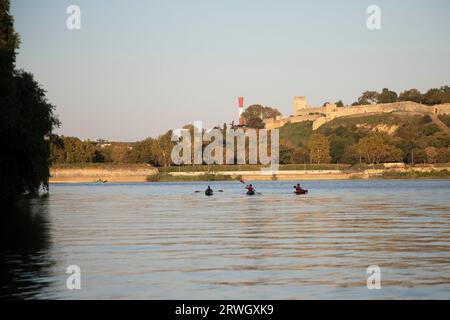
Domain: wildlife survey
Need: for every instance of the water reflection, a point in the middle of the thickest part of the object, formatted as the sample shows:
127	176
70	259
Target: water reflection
24	249
163	241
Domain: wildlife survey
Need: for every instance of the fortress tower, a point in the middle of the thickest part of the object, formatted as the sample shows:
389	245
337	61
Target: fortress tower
299	104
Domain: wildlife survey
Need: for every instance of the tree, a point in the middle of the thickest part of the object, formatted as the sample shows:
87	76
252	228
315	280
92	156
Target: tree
57	152
437	96
413	95
338	144
255	122
285	154
120	153
142	152
373	149
432	97
420	156
387	96
351	154
99	156
9	43
300	155
443	155
368	97
71	150
163	149
444	94
319	149
431	154
257	111
26	121
340	104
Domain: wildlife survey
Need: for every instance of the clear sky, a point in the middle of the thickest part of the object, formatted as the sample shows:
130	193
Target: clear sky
138	68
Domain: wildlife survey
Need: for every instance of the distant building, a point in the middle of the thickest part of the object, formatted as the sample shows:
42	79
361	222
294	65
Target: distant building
299	104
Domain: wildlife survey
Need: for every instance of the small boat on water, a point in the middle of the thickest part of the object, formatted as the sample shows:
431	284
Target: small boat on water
209	193
301	191
251	193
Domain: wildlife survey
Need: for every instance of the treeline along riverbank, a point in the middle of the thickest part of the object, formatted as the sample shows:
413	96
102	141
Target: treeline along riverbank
146	173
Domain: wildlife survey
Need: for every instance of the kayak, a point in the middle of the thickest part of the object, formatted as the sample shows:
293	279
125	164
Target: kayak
208	193
251	193
301	192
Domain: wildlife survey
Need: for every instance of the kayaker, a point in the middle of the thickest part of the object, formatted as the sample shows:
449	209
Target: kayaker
298	188
209	189
250	188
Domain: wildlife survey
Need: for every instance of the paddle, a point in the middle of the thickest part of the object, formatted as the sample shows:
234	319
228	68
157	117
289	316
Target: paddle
242	181
197	191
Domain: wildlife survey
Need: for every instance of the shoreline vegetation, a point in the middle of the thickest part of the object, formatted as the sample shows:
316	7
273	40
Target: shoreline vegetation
433	174
26	120
376	146
90	173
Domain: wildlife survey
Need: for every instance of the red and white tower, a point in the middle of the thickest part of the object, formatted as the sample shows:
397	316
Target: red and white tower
241	111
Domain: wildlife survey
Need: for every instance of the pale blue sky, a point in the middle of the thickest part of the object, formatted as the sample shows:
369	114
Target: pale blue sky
138	68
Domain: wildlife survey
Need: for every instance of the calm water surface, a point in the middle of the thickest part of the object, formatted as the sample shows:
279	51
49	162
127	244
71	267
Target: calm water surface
164	241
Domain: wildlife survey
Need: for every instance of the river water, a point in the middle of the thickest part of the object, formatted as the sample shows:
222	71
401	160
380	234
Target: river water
164	241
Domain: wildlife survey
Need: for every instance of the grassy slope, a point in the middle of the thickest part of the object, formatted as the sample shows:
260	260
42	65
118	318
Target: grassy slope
370	121
444	174
445	119
296	134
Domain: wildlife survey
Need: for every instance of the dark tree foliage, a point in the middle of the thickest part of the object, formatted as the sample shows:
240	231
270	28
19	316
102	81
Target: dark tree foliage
71	150
413	95
432	97
255	122
255	114
340	104
387	96
9	42
368	97
26	119
437	96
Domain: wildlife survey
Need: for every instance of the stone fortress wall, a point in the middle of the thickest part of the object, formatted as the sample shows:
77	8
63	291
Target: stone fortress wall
330	111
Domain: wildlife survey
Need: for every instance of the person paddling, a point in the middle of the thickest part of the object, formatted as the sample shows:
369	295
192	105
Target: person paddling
298	188
249	187
209	191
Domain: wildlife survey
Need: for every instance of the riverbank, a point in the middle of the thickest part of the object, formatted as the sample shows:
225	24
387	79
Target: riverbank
101	172
304	175
145	173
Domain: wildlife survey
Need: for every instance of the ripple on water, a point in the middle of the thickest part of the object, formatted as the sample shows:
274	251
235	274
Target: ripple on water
165	241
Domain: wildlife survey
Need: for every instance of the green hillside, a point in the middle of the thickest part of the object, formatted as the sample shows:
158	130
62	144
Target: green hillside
296	134
403	137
